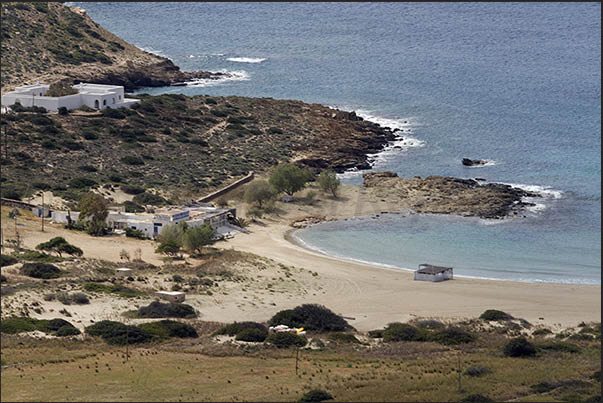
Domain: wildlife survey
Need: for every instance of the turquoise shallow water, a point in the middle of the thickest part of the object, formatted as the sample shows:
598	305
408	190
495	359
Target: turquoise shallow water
514	83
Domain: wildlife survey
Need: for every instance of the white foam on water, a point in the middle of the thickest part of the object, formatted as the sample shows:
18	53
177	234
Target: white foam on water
237	75
545	191
246	59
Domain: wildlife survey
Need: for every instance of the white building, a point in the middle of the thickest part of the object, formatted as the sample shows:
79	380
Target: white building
152	224
96	96
428	272
172	296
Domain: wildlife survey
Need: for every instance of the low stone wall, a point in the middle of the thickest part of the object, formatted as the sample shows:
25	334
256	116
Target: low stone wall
228	188
17	203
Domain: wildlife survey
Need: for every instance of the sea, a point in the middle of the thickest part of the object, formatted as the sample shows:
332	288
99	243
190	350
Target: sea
516	84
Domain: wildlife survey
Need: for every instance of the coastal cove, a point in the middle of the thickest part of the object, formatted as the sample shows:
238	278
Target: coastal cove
456	89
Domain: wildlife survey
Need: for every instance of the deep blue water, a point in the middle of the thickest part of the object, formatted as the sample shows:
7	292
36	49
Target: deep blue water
515	83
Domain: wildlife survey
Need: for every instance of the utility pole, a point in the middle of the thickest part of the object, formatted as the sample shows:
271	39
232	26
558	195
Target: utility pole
43	211
460	372
296	361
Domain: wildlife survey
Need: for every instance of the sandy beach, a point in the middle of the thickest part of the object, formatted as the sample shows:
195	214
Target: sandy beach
373	296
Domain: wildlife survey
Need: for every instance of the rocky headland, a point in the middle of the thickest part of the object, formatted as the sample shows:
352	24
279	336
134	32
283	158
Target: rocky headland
448	195
50	42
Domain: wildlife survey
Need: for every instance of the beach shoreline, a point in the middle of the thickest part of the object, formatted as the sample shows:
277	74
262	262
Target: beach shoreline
377	295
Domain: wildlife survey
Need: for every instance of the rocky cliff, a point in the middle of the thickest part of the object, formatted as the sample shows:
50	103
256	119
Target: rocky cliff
49	42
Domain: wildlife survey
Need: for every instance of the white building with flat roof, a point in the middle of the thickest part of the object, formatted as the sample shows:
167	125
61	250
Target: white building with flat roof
95	96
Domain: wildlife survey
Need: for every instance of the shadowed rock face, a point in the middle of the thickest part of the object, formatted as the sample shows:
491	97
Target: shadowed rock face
472	163
448	195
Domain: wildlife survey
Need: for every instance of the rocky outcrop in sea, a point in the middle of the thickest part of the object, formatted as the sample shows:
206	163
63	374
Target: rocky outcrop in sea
449	195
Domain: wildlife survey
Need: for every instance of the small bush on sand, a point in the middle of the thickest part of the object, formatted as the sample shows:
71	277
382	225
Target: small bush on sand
235	328
6	260
343	338
67	331
21	324
158	309
429	324
40	270
541	332
477	371
118	333
75	298
315	395
452	336
397	331
286	339
311	317
376	334
249	334
493	314
56	324
170	328
519	347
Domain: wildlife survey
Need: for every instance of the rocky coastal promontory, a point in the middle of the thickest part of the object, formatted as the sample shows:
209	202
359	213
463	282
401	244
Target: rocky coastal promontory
449	195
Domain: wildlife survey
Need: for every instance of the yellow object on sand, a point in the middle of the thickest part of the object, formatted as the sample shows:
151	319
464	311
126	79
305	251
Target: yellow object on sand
301	329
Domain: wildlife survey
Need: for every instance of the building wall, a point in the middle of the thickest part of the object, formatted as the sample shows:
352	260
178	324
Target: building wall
447	275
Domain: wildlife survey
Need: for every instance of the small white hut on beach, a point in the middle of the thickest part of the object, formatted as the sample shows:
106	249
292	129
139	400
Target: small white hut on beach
432	273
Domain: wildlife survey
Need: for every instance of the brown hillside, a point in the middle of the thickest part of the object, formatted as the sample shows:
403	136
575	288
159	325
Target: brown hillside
50	41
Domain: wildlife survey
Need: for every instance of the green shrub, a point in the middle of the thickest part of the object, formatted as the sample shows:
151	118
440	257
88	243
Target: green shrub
493	314
56	324
519	347
6	260
67	331
72	145
477	371
311	317
81	182
113	113
286	339
63	111
131	190
132	160
21	325
120	290
397	331
41	185
118	333
135	233
234	328
35	256
559	346
315	395
132	207
158	309
87	168
40	270
345	338
149	198
250	334
452	336
429	324
3	278
597	376
376	334
541	332
169	328
476	398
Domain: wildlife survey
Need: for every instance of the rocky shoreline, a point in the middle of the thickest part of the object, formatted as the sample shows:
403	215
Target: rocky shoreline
132	77
350	151
448	195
